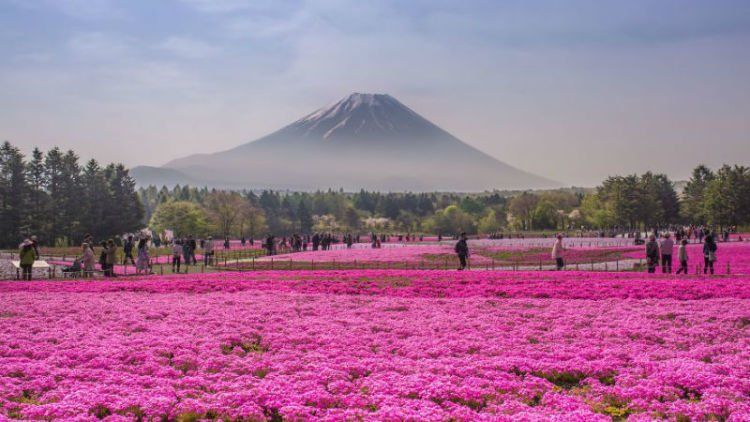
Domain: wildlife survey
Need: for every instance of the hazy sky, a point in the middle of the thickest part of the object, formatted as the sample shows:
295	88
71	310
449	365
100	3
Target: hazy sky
571	90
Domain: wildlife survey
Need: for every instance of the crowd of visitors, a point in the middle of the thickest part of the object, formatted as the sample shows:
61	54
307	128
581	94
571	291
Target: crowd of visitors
659	249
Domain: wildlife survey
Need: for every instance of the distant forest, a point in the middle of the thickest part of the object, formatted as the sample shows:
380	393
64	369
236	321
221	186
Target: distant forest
620	203
55	197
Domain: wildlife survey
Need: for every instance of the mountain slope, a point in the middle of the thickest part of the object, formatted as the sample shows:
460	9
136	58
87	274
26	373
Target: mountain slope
369	141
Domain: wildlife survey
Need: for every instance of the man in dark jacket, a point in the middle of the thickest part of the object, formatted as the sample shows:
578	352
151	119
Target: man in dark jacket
652	254
128	249
462	250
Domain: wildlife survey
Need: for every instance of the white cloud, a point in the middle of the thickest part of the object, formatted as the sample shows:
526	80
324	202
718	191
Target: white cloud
188	48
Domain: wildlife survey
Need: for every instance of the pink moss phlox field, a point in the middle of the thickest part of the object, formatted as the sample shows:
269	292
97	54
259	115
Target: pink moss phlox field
377	345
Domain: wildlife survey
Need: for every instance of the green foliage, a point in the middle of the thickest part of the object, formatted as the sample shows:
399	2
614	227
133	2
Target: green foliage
183	217
53	197
726	199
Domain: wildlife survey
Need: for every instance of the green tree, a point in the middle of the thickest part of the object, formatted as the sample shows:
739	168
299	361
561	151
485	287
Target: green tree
491	222
727	197
522	207
182	217
693	202
13	191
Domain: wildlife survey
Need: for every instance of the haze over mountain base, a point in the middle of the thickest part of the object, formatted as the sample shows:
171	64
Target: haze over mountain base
369	141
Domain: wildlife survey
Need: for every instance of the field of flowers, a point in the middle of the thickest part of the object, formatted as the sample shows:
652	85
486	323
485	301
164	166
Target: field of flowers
378	345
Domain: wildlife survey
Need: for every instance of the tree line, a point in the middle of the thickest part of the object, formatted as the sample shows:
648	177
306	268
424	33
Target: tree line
54	197
51	195
718	198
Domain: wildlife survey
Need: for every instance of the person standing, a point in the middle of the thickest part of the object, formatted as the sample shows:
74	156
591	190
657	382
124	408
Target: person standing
652	254
709	254
208	251
103	258
143	265
682	256
111	257
176	255
193	246
557	250
88	260
667	247
462	250
27	256
186	253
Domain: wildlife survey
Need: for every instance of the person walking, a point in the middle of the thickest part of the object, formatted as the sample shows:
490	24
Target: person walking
709	254
88	260
143	266
176	255
557	250
208	251
652	254
127	248
27	256
667	247
682	256
462	250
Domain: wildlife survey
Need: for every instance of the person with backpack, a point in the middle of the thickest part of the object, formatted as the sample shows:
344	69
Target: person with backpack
652	254
709	254
462	250
27	256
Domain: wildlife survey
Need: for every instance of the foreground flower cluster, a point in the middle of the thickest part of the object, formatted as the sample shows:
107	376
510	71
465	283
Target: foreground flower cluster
378	345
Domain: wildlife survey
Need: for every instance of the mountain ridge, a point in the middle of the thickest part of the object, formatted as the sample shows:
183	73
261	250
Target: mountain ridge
369	141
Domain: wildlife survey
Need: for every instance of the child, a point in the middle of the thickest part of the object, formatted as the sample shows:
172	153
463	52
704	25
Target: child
683	257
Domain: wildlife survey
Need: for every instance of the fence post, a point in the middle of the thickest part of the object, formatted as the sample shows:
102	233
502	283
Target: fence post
161	269
271	263
728	268
540	264
253	263
493	264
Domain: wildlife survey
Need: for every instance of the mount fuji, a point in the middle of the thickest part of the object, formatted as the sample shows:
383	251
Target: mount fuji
369	141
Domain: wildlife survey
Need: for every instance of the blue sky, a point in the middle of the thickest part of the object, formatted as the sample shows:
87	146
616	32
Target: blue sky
572	90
